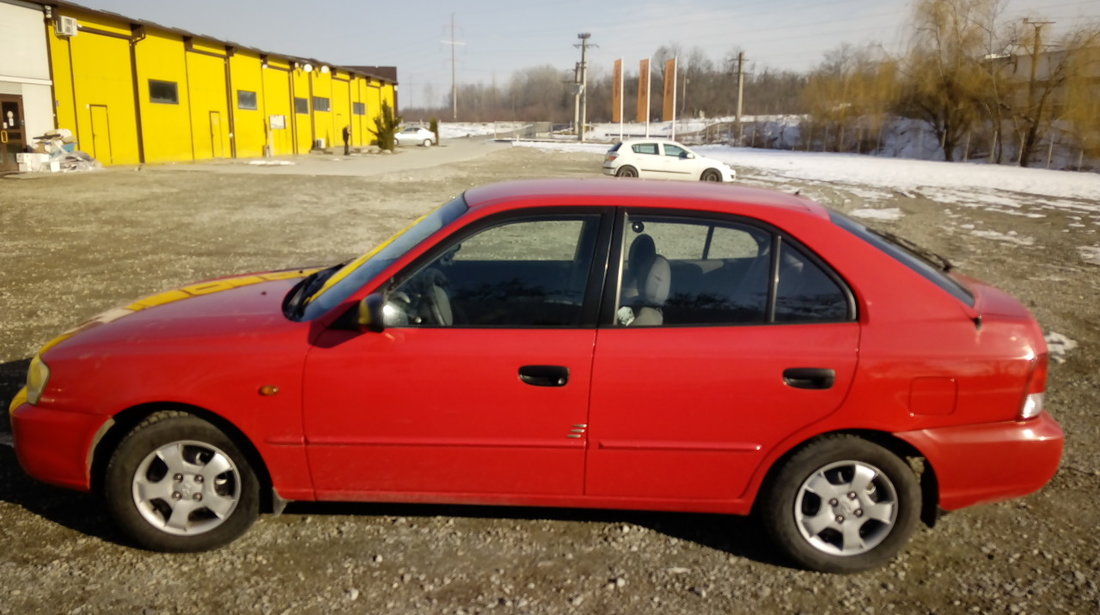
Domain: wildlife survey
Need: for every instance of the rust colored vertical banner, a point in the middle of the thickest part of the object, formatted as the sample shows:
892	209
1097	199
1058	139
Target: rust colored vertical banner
643	91
617	92
668	111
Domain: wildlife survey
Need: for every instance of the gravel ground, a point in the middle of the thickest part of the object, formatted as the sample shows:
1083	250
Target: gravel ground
75	245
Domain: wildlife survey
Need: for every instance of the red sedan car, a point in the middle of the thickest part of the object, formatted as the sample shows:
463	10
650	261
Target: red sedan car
591	343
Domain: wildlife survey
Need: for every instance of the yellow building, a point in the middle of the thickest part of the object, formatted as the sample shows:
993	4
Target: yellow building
137	92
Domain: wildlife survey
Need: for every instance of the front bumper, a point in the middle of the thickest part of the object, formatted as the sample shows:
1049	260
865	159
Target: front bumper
55	446
992	461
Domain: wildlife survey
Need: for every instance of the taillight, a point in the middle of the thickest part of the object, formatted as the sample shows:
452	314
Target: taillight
1036	388
610	156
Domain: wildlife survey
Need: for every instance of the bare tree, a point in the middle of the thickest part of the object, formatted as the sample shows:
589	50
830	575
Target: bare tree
850	95
1040	98
1083	101
945	80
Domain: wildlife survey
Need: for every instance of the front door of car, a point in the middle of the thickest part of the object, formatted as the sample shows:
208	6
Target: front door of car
701	375
479	383
675	163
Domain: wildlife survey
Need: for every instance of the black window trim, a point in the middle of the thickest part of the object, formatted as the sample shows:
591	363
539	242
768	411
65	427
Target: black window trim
597	274
610	301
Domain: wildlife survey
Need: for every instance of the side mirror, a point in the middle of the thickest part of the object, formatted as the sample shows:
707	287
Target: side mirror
688	155
370	313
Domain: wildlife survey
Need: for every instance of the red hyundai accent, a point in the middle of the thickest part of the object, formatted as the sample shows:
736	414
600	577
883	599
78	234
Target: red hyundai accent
575	343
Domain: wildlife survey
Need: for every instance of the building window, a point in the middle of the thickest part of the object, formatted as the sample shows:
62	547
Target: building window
301	105
359	108
320	104
164	92
246	100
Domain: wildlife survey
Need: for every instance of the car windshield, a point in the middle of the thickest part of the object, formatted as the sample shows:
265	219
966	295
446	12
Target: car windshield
351	277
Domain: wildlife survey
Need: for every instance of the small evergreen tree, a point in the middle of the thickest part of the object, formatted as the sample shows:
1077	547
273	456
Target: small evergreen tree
385	127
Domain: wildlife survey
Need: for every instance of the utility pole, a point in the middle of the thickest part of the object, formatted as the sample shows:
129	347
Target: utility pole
581	79
454	82
740	90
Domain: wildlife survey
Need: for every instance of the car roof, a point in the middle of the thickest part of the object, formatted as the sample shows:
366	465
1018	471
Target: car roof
652	140
639	192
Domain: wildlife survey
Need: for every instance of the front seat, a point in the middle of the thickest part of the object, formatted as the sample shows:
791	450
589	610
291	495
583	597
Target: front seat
653	289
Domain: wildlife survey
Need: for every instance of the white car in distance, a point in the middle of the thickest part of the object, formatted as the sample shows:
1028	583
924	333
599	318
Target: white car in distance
663	159
415	135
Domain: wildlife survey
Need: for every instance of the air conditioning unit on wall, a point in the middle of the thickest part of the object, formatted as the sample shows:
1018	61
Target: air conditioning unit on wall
66	26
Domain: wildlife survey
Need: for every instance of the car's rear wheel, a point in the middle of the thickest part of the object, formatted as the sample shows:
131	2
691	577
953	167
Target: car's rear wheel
711	175
177	483
841	504
626	171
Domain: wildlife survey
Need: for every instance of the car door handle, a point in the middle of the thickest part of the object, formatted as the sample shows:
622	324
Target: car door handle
815	378
544	375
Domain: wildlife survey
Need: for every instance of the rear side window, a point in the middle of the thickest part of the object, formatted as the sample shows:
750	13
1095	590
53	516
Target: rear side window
931	271
645	148
806	293
700	271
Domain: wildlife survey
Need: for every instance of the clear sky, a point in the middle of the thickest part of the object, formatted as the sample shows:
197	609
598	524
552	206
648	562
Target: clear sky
498	37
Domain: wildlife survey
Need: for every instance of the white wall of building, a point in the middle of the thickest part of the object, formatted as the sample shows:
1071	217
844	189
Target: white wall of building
25	63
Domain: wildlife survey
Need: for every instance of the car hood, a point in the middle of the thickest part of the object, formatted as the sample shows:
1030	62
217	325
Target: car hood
223	308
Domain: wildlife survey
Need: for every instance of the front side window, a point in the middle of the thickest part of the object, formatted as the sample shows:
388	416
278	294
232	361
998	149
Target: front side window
675	151
521	273
688	271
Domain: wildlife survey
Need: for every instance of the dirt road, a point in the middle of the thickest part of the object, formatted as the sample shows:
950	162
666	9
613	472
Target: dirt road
75	245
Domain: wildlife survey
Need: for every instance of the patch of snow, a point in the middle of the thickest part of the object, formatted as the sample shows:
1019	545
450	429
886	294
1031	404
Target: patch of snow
1059	345
1009	237
271	163
1090	254
890	214
5	440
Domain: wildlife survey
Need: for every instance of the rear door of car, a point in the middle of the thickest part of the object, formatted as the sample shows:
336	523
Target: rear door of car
756	338
647	157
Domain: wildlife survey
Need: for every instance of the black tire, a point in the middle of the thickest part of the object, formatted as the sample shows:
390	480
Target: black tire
626	171
175	462
427	143
711	175
841	504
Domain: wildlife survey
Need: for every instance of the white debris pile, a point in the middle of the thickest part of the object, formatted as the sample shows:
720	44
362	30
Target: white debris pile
54	152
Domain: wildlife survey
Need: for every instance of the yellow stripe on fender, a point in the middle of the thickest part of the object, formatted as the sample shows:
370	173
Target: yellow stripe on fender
214	286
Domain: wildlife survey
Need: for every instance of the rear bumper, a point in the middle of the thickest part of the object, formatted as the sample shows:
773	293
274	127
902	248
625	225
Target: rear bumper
54	446
990	462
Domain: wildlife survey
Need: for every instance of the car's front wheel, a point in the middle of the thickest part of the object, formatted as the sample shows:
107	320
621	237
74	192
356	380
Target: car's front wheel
841	504
427	143
177	483
711	175
626	171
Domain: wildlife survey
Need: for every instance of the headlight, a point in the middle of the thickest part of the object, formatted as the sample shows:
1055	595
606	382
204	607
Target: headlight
37	376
